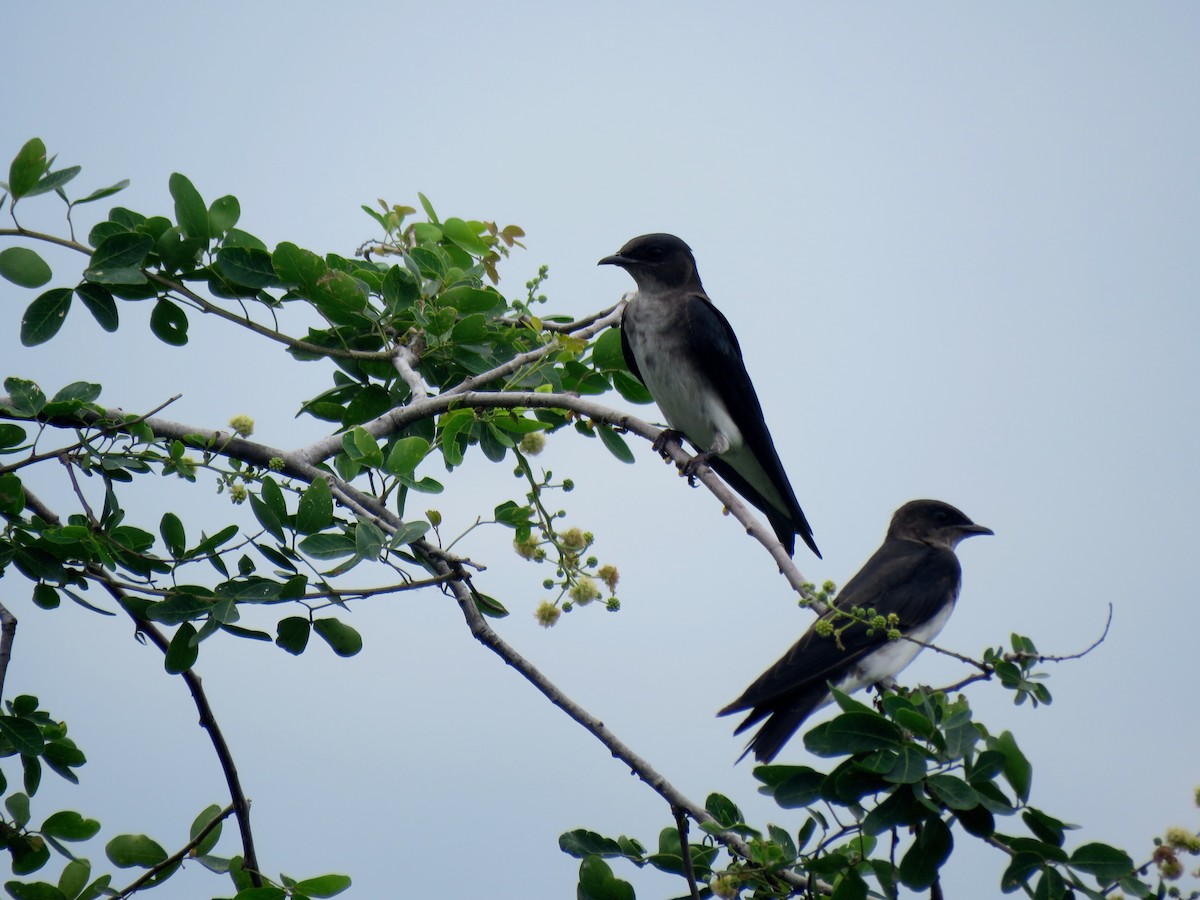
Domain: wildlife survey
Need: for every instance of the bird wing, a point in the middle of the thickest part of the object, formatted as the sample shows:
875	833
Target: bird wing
905	577
627	350
716	347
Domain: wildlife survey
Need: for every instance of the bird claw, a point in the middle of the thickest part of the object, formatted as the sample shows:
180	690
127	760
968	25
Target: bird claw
692	467
666	436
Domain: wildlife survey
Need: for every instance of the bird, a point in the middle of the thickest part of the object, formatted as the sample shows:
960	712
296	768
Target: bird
680	346
914	575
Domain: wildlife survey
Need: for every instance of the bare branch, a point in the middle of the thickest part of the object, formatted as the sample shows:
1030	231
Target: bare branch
484	633
689	871
405	362
175	858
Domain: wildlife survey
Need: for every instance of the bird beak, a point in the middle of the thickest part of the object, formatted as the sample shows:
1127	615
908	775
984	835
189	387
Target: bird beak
615	260
972	530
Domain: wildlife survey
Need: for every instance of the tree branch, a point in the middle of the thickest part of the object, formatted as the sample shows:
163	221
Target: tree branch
689	871
175	858
208	720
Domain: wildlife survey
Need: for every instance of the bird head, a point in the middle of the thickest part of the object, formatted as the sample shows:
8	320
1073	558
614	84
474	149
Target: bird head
656	260
933	522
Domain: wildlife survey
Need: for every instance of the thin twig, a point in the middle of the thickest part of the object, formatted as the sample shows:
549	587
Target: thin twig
176	858
987	671
208	721
199	698
689	871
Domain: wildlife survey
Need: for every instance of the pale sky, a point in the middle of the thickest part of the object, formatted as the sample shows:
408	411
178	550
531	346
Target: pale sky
958	245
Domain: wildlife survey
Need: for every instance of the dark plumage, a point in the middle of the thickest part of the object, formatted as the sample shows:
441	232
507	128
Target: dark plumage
681	347
913	574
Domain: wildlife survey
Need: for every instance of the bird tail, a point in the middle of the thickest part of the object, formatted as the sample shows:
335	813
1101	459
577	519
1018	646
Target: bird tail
783	719
786	525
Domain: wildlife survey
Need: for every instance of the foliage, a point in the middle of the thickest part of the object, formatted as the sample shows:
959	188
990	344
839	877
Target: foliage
428	363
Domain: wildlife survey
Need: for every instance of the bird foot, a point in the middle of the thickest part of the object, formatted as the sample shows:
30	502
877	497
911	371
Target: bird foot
692	467
666	436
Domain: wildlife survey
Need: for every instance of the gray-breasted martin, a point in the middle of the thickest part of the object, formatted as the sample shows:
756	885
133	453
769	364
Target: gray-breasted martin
681	347
913	575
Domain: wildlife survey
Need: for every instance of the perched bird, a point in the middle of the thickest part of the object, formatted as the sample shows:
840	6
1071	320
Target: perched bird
681	347
914	575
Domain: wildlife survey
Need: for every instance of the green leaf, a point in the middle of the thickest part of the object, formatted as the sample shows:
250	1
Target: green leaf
470	300
852	732
44	596
327	546
261	893
722	809
368	540
128	850
199	824
1051	886
581	843
801	788
909	766
223	214
1020	869
45	316
77	392
11	436
182	606
1106	863
315	511
489	606
26	397
173	535
1017	770
343	639
27	168
322	886
849	885
12	494
953	791
1048	828
362	448
99	301
183	650
266	517
405	455
190	212
74	877
36	891
169	323
614	442
463	235
23	267
247	266
53	181
70	826
18	807
101	193
597	882
607	354
425	204
337	295
630	388
25	737
919	866
292	634
124	250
